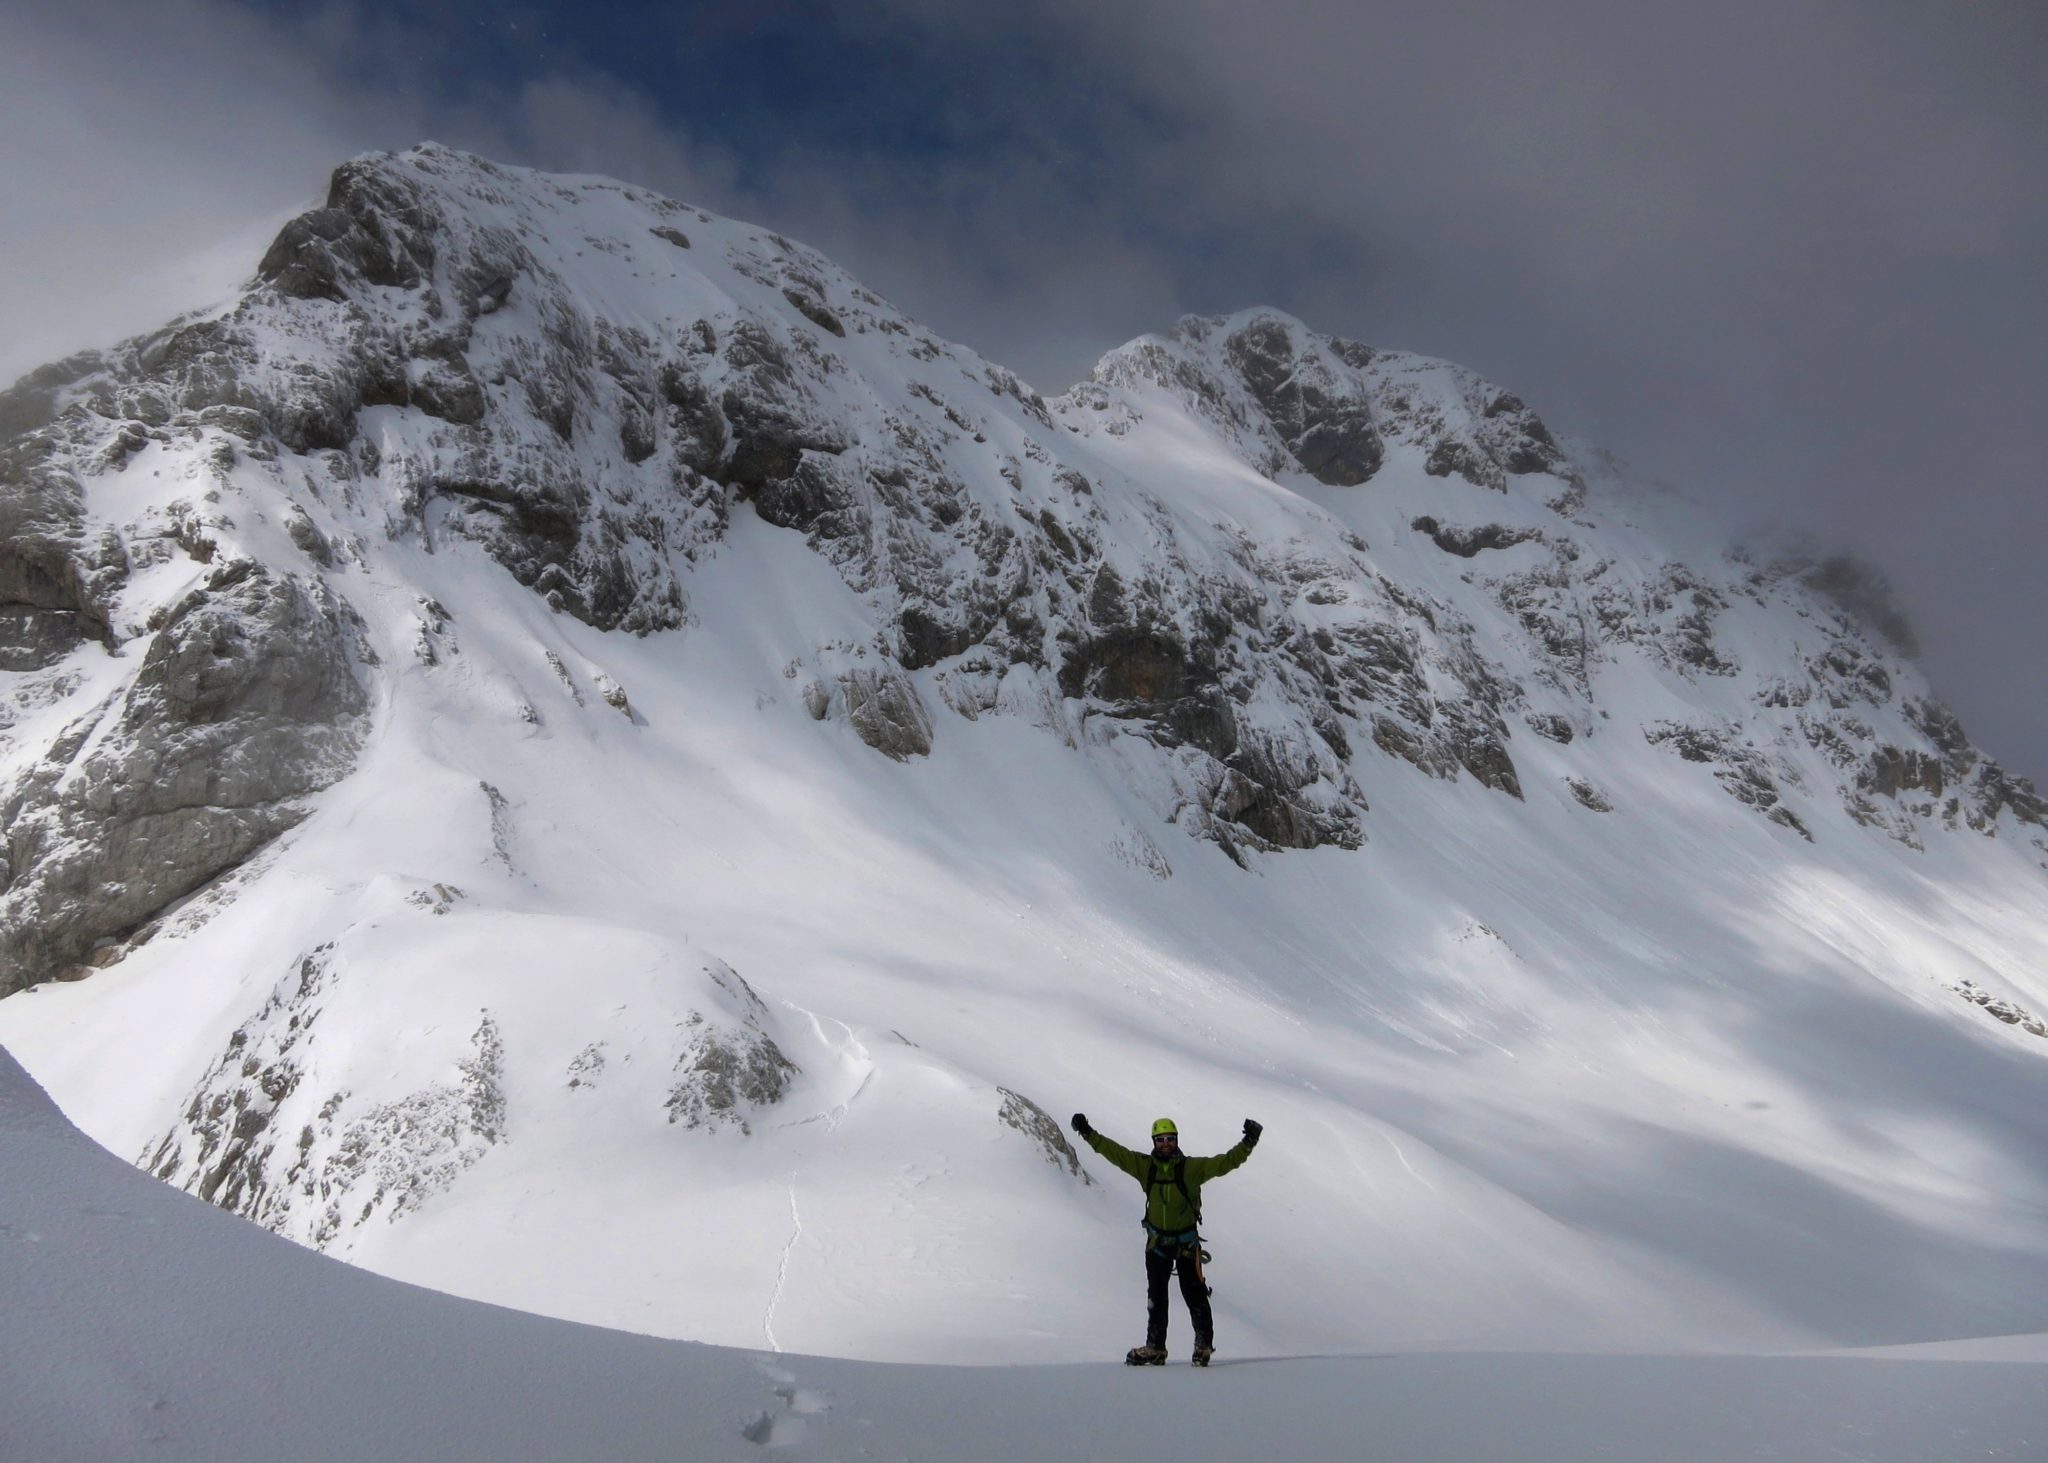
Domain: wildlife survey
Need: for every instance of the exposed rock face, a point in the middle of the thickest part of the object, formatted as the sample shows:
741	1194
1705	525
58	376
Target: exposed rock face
1332	407
726	1072
57	573
1589	796
1467	542
2010	1012
1743	772
278	1130
884	708
246	702
1035	1123
256	1140
1317	409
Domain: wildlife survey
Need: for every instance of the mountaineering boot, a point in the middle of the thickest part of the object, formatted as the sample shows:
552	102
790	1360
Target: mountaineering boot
1203	1351
1147	1355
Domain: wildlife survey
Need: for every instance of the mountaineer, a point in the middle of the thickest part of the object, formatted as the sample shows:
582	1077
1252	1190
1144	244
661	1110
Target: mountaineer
1173	1214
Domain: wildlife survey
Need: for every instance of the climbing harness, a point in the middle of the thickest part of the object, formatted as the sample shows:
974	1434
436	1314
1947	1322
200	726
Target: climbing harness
1173	1244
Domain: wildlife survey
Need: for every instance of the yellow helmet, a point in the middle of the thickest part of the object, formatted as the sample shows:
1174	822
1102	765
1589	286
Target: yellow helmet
1163	1126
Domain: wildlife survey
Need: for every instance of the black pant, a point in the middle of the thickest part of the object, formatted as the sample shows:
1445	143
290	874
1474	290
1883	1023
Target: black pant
1160	1261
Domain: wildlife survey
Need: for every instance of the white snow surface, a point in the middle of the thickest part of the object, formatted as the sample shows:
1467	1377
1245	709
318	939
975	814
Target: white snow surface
144	1324
1534	1078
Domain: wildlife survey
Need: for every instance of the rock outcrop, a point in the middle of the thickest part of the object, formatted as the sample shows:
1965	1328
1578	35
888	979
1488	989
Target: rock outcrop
263	1137
246	702
728	1068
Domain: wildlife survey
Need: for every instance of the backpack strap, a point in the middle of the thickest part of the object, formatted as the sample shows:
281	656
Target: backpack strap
1180	1181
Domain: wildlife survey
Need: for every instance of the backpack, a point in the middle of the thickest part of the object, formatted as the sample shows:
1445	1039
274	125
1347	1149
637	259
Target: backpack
1180	1181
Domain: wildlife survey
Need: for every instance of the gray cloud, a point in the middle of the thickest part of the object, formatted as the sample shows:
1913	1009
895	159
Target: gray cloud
151	151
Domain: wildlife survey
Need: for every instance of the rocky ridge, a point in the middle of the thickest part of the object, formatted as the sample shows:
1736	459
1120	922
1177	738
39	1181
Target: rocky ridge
453	350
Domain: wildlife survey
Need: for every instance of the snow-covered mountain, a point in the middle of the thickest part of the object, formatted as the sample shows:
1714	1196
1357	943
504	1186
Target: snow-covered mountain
560	748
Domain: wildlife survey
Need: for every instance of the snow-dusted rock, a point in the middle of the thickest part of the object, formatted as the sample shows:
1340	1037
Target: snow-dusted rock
730	1068
57	572
245	702
256	1139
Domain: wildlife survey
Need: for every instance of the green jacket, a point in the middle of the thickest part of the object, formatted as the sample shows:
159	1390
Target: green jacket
1167	1209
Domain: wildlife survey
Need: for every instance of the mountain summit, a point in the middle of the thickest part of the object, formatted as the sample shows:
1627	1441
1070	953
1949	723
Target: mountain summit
560	724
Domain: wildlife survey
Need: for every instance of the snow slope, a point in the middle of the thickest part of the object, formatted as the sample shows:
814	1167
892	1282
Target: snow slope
795	767
141	1324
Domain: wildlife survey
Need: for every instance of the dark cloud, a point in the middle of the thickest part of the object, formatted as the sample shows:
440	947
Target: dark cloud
1789	256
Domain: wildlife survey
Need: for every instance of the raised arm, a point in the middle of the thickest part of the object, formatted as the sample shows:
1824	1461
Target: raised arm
1131	1163
1201	1170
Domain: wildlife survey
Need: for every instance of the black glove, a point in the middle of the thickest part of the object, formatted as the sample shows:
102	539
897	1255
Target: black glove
1252	1131
1081	1124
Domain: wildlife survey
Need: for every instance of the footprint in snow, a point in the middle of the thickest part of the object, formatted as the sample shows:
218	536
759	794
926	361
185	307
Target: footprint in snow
784	1423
